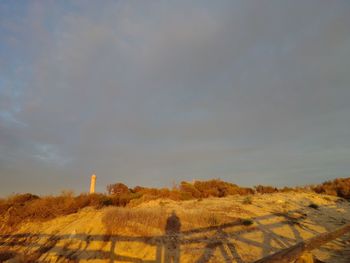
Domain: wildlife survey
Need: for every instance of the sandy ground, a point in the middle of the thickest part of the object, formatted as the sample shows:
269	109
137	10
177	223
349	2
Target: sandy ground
279	221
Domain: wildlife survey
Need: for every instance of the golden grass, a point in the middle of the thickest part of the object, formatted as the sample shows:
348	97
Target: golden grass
20	208
152	220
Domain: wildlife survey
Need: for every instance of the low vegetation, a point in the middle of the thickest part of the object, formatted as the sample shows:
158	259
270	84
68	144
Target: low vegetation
142	221
247	222
338	187
20	208
314	206
248	200
153	220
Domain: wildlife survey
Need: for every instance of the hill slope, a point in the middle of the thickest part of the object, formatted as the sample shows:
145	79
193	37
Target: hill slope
231	229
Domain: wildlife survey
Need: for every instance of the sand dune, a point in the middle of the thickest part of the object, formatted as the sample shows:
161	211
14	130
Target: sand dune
226	229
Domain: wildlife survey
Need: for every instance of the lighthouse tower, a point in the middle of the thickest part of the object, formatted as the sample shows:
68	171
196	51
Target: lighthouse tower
92	183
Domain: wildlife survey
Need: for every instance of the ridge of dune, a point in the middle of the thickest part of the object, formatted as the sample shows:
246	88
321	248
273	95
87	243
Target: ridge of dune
212	230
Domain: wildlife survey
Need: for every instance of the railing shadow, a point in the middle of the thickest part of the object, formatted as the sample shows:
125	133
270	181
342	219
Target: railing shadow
339	256
225	240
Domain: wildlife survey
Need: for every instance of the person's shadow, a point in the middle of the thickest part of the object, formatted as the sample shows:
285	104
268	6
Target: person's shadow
172	236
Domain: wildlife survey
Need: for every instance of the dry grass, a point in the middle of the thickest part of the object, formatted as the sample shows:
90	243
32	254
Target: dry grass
152	220
263	189
338	187
248	200
20	208
142	221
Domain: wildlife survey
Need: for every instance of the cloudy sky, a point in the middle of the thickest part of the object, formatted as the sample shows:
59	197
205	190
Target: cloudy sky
155	92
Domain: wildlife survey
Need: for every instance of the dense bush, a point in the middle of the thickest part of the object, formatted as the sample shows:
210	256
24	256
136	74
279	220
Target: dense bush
191	189
216	188
117	189
185	191
262	189
26	207
195	190
338	187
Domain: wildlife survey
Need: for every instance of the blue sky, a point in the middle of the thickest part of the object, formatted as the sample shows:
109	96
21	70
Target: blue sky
155	92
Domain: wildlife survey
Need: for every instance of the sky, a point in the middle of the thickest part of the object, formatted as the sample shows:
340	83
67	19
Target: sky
152	93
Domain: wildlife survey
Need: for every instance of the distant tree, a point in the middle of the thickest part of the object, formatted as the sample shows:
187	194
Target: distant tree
117	189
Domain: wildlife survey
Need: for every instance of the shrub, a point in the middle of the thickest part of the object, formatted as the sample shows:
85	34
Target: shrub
191	189
338	187
247	222
287	189
6	255
245	191
186	190
21	208
117	189
265	189
22	198
314	206
216	188
124	199
248	200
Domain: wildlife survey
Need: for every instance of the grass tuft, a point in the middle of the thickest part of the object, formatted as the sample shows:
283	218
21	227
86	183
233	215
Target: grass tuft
248	200
247	222
314	206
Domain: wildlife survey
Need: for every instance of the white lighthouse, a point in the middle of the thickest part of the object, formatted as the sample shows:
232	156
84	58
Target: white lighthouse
92	183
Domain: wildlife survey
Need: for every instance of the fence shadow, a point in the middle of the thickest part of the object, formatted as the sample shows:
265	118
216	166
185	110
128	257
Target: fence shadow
339	256
225	240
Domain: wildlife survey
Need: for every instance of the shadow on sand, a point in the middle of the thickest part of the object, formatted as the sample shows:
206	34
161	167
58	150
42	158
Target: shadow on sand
223	240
